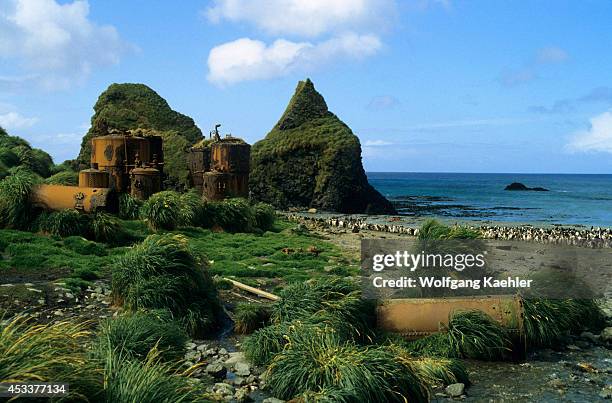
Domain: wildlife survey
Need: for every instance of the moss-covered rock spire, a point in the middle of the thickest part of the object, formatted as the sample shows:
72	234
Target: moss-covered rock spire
312	159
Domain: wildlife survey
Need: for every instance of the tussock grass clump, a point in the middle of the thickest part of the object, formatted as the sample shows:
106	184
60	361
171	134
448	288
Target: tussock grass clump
47	353
547	321
335	302
136	334
15	207
371	374
68	178
250	317
162	272
234	215
162	210
434	230
265	216
64	223
104	227
470	334
265	343
150	380
440	371
191	210
129	207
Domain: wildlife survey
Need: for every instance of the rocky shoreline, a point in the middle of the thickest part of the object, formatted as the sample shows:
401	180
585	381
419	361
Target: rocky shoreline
593	237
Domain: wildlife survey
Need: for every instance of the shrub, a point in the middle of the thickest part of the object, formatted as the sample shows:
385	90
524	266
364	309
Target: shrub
64	223
163	273
234	215
104	227
129	207
433	230
265	216
135	335
68	178
370	374
162	210
250	317
15	206
191	209
470	334
546	321
47	353
330	298
148	381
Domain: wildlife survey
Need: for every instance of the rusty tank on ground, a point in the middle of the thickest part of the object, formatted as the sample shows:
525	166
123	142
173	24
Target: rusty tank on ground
121	162
219	167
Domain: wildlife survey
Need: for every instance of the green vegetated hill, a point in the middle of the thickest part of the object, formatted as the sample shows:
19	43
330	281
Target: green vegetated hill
312	159
17	152
136	106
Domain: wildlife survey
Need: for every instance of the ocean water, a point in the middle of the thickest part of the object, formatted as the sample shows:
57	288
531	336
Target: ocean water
572	199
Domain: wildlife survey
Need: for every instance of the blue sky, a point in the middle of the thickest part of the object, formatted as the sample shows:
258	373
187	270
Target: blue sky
437	86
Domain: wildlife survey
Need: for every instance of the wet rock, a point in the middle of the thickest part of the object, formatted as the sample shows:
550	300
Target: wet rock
242	395
216	370
222	351
223	389
239	381
590	337
242	369
312	211
273	400
235	358
606	393
606	335
202	347
251	379
455	389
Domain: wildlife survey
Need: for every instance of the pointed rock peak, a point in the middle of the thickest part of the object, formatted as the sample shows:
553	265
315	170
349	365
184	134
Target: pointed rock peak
306	104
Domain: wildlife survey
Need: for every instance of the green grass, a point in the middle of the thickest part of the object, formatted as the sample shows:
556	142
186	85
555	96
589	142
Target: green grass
32	352
40	255
68	178
469	334
369	374
105	228
146	381
163	272
136	334
250	317
129	207
547	321
162	210
15	207
434	230
63	223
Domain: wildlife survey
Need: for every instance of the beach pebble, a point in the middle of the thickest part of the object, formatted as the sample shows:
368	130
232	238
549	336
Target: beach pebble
242	369
223	389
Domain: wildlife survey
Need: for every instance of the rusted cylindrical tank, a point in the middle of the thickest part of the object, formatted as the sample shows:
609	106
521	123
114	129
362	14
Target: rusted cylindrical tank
215	185
94	178
144	182
156	152
87	199
108	151
138	151
231	157
199	162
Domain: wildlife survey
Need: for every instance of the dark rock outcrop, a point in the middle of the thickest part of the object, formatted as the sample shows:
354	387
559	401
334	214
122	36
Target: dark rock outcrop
521	187
312	159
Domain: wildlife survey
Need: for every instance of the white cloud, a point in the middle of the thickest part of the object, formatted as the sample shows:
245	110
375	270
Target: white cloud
551	54
383	102
308	18
247	59
13	120
56	43
377	143
598	138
